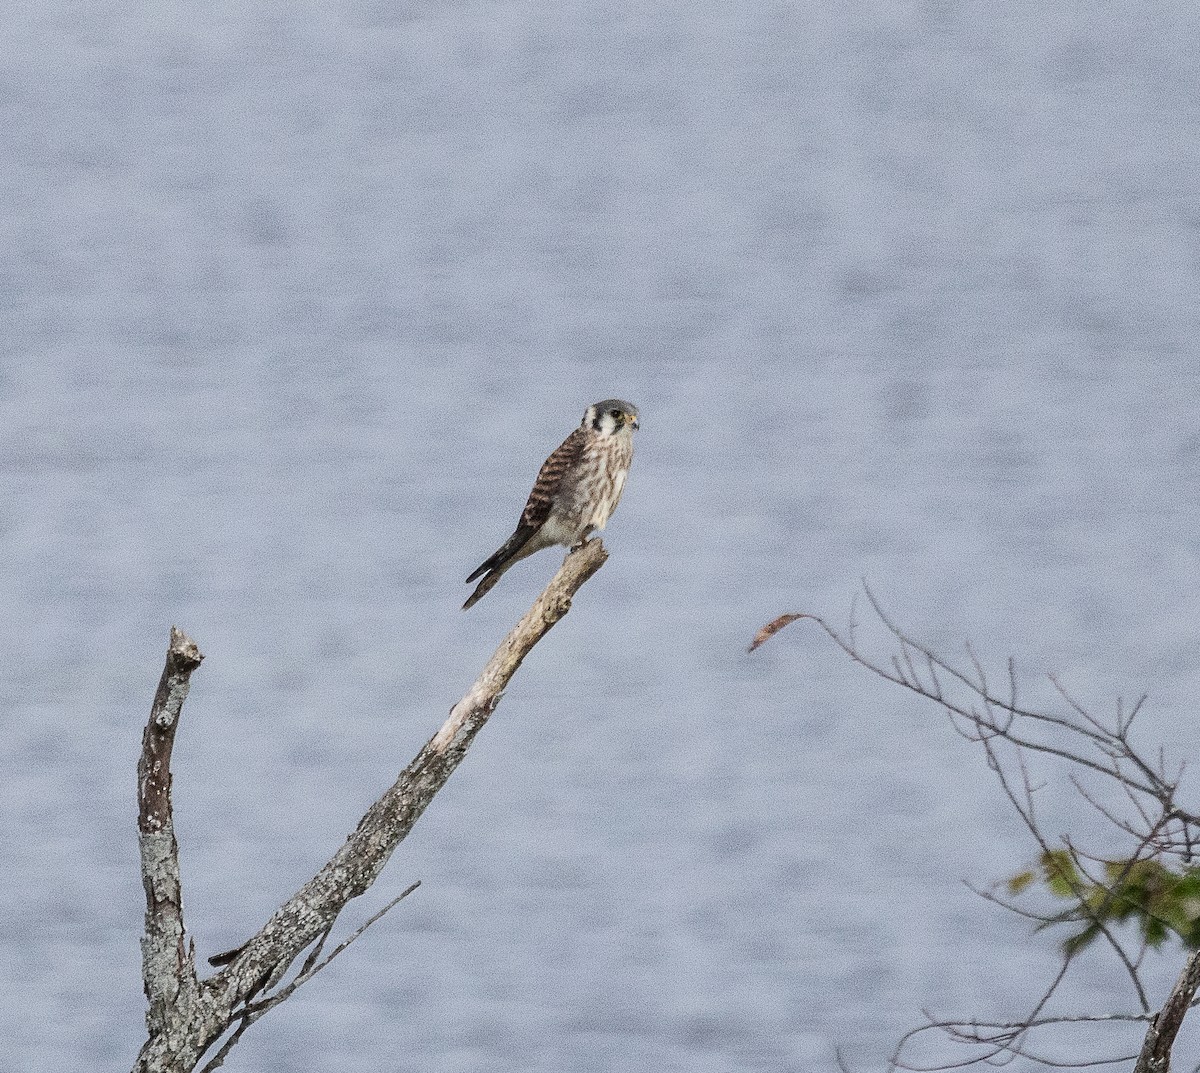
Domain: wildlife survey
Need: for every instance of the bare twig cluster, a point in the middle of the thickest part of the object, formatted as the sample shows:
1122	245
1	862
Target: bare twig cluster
1146	859
190	1018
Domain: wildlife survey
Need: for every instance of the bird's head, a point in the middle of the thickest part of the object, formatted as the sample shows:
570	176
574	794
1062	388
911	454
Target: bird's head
611	416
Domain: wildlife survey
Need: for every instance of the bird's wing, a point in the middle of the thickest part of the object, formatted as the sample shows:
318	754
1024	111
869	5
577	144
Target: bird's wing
537	508
541	499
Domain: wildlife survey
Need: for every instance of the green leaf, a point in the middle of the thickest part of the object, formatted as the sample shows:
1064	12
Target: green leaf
1061	875
1078	941
1154	931
1188	884
1020	881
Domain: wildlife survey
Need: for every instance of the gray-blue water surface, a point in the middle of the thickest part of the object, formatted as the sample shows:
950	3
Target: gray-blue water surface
295	298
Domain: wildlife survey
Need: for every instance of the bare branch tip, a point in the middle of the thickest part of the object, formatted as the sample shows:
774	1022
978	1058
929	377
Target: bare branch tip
592	553
183	648
774	626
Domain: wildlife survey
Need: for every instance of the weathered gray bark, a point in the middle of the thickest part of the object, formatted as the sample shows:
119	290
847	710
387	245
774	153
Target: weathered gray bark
168	967
187	1015
1160	1037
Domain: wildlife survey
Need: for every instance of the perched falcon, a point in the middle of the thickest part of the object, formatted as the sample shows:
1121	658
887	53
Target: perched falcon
576	490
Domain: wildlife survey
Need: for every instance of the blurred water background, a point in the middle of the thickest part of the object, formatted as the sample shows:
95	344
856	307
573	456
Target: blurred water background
295	299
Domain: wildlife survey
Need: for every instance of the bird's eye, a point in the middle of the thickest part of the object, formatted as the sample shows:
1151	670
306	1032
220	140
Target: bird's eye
615	413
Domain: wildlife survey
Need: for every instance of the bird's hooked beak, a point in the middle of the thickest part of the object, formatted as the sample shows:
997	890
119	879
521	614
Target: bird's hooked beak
632	422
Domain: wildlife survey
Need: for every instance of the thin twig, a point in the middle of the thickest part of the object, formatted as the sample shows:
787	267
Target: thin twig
312	966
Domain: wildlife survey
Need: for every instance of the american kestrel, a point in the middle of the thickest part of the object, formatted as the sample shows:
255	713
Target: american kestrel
576	490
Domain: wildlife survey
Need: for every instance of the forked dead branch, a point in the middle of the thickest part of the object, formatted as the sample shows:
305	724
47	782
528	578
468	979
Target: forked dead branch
1134	893
190	1019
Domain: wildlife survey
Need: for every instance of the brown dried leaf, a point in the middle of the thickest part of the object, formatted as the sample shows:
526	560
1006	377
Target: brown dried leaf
771	629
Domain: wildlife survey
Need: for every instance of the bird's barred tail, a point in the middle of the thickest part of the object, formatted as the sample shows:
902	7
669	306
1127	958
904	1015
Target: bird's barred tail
483	588
491	569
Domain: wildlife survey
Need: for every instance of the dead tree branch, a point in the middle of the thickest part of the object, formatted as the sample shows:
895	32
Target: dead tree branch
188	1016
1155	1056
168	968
